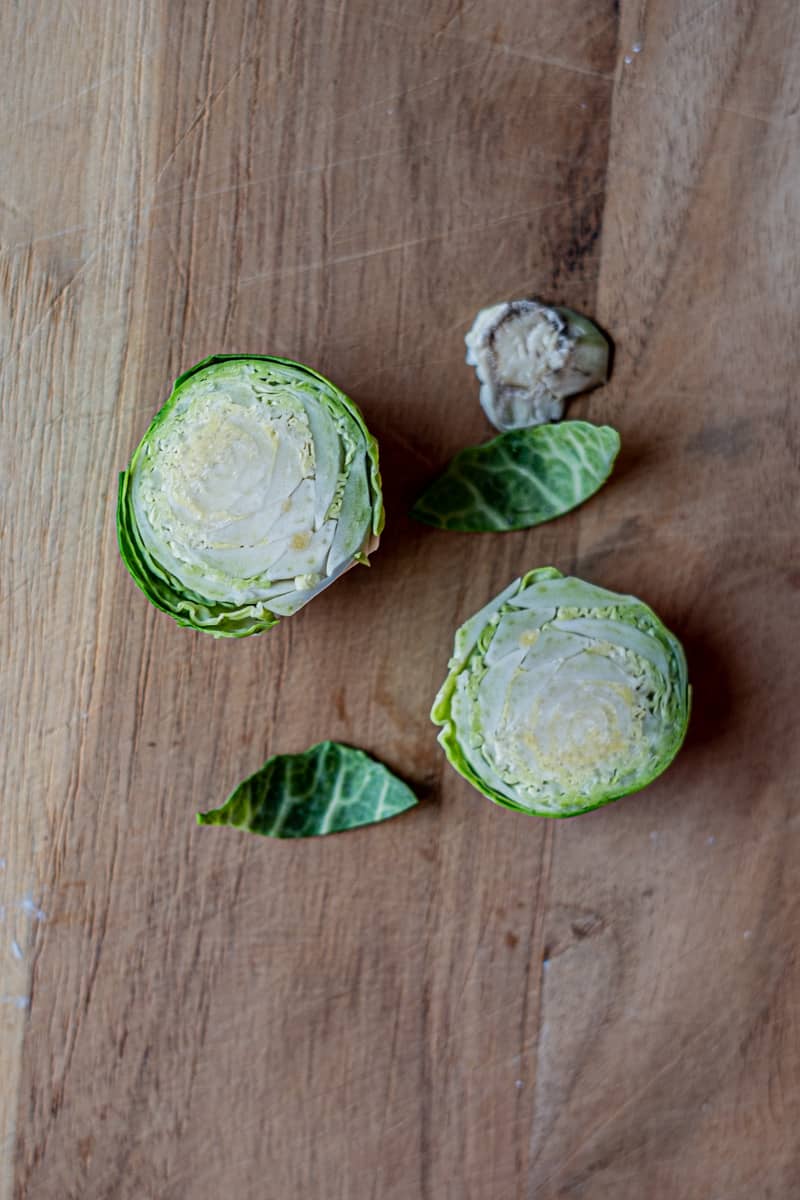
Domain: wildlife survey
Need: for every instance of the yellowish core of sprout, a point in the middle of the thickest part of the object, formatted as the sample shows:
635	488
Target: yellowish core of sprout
229	497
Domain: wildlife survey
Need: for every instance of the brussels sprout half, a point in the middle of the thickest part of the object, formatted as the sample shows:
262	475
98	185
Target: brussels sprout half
562	696
255	486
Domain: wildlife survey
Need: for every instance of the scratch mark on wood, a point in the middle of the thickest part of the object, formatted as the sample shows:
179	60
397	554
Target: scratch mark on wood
202	115
394	247
49	311
70	100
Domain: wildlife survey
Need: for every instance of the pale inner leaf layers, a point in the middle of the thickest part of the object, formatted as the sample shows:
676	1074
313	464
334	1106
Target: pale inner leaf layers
252	489
563	696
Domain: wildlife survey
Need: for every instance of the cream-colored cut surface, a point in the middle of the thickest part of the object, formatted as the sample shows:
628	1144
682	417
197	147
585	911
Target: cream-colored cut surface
226	494
517	357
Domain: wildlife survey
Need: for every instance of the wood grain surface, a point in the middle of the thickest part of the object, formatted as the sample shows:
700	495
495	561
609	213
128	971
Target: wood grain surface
464	1003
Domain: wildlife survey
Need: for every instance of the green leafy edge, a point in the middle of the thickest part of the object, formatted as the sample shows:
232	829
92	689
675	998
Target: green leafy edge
326	789
520	479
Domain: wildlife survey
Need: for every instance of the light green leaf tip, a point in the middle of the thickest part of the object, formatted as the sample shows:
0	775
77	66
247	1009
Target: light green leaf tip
521	478
326	789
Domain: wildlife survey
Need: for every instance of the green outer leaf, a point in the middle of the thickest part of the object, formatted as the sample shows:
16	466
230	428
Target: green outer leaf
592	347
326	789
521	478
188	608
472	637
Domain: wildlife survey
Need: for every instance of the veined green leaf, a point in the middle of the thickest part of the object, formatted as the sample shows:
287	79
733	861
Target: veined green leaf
521	478
326	789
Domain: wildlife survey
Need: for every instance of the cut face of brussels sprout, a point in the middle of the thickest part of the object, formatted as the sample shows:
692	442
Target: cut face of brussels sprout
562	696
530	358
255	487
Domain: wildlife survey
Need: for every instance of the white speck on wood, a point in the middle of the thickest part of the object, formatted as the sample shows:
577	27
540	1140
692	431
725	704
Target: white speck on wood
27	905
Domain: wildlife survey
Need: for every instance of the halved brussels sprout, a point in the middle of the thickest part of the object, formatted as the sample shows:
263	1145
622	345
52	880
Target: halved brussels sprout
255	486
562	696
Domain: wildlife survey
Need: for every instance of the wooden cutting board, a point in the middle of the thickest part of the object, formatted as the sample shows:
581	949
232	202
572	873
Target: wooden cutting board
464	1003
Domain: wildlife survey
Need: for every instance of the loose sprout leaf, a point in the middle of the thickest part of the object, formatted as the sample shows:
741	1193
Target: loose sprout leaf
255	486
562	696
326	789
520	478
